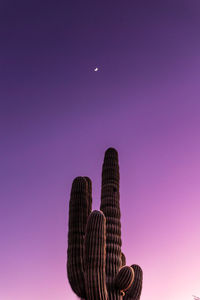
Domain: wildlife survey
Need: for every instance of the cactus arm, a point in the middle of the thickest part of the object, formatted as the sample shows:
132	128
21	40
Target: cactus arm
95	257
111	209
124	279
135	289
79	209
123	258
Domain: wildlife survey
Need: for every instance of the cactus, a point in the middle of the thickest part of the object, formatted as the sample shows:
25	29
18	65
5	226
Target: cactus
95	264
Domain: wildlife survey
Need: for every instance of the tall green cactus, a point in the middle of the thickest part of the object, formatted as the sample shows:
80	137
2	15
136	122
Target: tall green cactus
95	264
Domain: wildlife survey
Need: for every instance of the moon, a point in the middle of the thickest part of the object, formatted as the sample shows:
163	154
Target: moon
96	69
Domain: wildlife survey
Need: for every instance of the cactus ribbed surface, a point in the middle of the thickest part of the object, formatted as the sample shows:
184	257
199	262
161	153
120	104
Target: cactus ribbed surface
111	209
124	278
95	258
135	290
95	264
79	210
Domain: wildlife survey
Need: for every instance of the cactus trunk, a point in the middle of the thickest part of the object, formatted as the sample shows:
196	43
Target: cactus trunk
111	209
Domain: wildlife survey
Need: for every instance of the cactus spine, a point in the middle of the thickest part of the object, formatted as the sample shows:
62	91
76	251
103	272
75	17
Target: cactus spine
95	264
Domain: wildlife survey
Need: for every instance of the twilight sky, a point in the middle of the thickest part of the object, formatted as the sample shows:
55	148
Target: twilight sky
58	116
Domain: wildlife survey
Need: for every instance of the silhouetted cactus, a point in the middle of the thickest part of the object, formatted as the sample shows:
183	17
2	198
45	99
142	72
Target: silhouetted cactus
95	264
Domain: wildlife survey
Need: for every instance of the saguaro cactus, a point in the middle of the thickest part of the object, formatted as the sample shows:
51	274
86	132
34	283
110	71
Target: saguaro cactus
95	264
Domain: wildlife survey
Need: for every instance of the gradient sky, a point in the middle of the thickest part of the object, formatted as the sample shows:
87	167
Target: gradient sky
58	116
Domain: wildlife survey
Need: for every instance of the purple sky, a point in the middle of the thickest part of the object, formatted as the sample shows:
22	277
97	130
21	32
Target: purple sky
58	116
